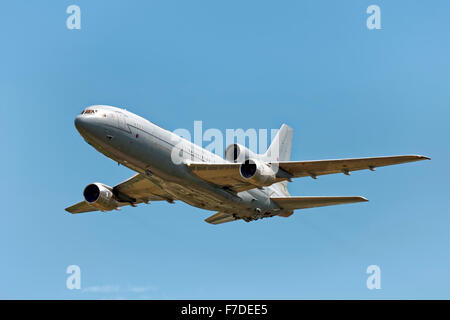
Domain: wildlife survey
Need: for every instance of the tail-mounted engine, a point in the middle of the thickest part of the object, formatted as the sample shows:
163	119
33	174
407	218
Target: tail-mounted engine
238	153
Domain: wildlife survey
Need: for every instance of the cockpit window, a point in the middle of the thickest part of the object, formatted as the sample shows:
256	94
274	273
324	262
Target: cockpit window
89	111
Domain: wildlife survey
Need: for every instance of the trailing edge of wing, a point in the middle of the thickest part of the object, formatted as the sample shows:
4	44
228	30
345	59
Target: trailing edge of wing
293	203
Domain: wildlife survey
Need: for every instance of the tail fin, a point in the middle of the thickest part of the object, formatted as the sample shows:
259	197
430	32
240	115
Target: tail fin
280	150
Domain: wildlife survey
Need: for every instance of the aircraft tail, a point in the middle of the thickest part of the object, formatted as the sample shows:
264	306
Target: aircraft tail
280	150
289	204
220	217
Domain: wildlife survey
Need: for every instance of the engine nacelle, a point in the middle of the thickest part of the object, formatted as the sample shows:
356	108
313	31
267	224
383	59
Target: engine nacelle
238	153
257	172
100	196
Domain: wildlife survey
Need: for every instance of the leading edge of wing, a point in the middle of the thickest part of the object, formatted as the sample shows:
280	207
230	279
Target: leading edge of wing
403	158
329	166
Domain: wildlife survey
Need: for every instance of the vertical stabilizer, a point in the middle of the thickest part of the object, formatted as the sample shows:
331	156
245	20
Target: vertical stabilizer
280	150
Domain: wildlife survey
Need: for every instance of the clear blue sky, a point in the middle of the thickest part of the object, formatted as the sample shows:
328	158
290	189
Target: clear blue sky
347	91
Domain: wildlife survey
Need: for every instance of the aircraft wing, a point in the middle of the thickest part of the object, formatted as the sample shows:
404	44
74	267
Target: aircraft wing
321	167
141	189
134	190
228	175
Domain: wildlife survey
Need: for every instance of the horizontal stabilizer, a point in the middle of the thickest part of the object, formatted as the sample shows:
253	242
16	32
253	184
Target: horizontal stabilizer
220	217
292	203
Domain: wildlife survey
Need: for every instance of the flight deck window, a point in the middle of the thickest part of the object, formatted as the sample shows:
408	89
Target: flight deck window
89	111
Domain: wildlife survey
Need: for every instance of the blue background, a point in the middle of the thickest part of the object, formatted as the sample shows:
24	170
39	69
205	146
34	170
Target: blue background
347	91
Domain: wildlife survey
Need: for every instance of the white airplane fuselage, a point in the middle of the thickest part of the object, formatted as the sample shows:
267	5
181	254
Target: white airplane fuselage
148	149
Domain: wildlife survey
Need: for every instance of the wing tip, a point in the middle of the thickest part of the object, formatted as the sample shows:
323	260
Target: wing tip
70	211
417	157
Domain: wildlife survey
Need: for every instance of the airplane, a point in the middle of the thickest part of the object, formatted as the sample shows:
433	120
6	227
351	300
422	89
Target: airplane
241	186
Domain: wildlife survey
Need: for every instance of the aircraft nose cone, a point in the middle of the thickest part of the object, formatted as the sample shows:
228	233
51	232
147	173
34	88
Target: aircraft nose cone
85	125
80	123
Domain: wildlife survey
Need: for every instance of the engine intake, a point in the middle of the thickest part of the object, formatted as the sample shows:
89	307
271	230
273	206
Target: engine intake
100	196
257	172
